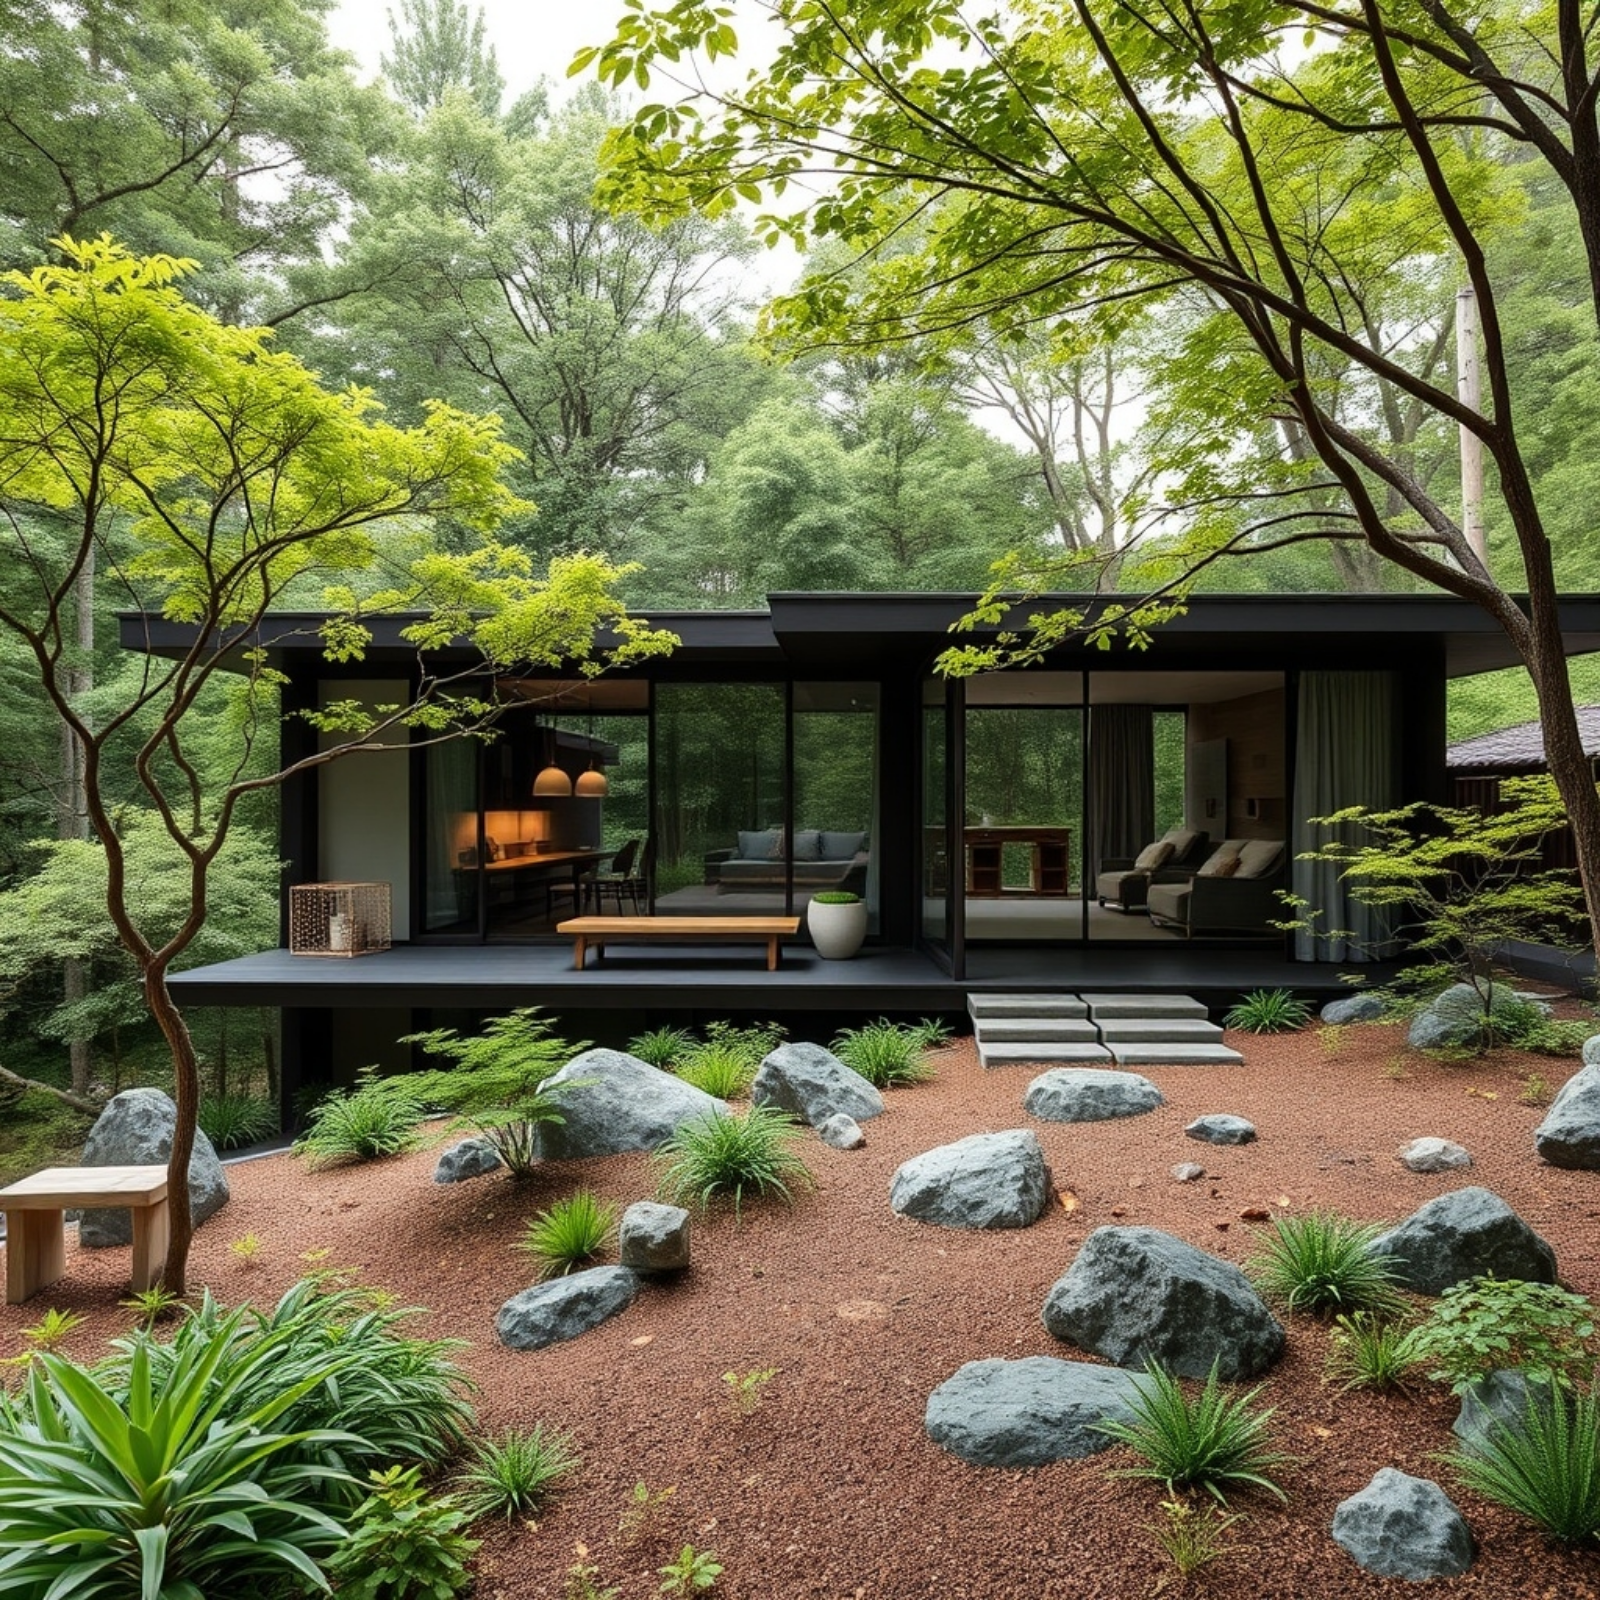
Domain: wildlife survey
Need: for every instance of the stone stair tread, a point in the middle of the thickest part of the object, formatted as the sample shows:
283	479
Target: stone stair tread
1025	1005
1104	1006
1155	1054
1062	1030
1012	1052
1160	1030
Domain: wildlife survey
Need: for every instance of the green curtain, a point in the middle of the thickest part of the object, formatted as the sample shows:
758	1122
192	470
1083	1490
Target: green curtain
1347	753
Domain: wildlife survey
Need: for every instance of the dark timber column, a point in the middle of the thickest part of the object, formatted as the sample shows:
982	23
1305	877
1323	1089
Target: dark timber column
899	821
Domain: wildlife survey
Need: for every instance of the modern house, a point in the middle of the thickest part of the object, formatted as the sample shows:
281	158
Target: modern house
992	824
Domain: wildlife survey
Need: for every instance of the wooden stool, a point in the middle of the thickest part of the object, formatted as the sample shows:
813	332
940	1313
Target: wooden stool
36	1251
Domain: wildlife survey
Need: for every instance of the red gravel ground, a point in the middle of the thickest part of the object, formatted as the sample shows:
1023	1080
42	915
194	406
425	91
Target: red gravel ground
831	1488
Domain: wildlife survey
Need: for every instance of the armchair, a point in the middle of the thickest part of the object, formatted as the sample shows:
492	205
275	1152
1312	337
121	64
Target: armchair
1235	891
1122	883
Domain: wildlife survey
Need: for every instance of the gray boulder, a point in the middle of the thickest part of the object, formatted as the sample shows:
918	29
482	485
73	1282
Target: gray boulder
1501	1397
1468	1233
624	1104
1403	1527
1591	1050
990	1180
1569	1136
1434	1155
1354	1008
1089	1094
135	1130
654	1237
841	1132
472	1158
1453	1020
1220	1128
1135	1295
1029	1412
813	1084
565	1307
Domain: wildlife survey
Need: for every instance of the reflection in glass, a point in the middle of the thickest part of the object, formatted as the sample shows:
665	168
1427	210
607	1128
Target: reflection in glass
836	791
935	859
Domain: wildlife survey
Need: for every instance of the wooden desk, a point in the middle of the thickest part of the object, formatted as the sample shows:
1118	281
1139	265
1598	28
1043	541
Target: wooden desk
507	870
1050	865
36	1252
594	931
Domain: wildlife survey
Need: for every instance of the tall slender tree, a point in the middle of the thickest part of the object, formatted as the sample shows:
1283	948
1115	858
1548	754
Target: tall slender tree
436	46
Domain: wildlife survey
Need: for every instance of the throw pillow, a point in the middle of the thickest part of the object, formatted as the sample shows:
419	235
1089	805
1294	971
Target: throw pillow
1182	841
808	844
841	846
1223	862
1259	857
779	848
1153	856
757	846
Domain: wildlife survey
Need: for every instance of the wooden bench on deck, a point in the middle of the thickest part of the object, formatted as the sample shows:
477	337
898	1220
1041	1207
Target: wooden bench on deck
36	1251
594	931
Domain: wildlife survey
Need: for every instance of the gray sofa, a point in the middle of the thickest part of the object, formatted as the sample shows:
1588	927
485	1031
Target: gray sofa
1244	900
821	859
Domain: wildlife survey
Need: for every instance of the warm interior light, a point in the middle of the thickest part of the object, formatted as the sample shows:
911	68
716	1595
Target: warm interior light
552	781
592	784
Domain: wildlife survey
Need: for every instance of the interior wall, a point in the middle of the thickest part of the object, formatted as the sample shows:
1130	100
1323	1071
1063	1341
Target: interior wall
1253	726
364	806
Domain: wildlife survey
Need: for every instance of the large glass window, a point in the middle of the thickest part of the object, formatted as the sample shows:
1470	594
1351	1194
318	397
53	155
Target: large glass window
450	876
935	856
836	791
719	832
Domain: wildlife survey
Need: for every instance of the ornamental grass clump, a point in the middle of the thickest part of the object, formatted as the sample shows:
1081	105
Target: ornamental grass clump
719	1069
885	1053
730	1158
1371	1352
1268	1011
571	1233
1546	1465
1212	1441
662	1047
515	1472
378	1117
1323	1263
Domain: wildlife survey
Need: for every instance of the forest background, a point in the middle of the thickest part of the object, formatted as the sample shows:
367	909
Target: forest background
425	234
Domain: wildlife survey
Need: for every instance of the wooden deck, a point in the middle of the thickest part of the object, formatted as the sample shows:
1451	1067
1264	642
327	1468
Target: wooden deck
725	980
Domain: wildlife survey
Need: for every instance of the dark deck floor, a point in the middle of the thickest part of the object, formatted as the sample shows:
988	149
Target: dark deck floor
733	979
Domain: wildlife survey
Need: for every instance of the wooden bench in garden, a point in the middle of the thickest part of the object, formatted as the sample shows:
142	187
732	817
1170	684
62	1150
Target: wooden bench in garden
593	932
36	1251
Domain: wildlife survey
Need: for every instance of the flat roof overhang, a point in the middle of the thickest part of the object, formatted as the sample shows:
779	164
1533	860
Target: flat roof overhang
838	634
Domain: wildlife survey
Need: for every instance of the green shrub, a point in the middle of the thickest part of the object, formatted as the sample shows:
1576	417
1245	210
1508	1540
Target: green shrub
662	1047
497	1087
403	1543
932	1033
231	1121
836	897
724	1071
1369	1352
884	1053
1214	1441
515	1472
190	1481
1487	1323
713	1158
691	1572
1322	1262
1547	1466
570	1233
1192	1538
1268	1011
379	1117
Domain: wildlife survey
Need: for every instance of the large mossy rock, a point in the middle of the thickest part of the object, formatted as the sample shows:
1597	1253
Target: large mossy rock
989	1180
135	1130
1136	1294
1468	1233
617	1103
1029	1412
1454	1020
812	1084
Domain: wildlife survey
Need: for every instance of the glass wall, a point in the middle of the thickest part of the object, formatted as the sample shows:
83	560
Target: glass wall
450	859
720	811
934	869
836	791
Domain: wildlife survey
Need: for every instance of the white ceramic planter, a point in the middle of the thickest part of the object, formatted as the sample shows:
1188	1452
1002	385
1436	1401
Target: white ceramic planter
837	931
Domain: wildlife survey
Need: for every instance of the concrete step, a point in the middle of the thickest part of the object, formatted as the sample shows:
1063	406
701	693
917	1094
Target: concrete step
1025	1005
1175	1055
1103	1006
1160	1030
1016	1052
1046	1030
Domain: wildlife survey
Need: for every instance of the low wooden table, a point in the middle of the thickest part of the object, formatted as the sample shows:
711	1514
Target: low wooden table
36	1251
587	931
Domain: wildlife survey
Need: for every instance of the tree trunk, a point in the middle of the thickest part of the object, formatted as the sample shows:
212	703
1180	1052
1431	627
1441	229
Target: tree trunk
72	809
186	1093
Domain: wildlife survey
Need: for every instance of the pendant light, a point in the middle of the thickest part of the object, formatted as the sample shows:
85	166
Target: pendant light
551	780
592	785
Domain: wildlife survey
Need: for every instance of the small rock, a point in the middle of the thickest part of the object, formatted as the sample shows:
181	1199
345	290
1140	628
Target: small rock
1255	1214
989	1180
1188	1172
1403	1527
469	1159
562	1309
841	1132
1353	1008
1434	1155
1089	1094
813	1084
1221	1129
654	1237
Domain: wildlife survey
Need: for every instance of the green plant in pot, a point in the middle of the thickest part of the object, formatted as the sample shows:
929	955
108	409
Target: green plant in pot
836	919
